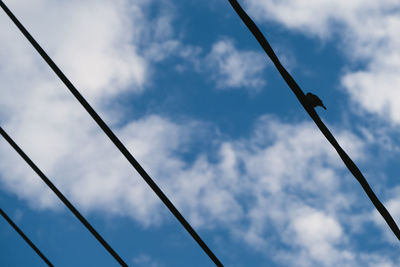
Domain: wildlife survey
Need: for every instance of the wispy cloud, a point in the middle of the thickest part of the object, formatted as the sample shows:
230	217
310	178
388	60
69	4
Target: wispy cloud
145	260
234	68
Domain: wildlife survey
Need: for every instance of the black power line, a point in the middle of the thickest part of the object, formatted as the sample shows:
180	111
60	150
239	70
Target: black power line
301	97
30	243
113	138
62	198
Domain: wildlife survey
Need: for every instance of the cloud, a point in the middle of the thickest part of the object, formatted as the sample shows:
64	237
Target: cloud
101	47
104	48
317	233
368	34
295	193
319	18
279	185
393	206
93	43
226	65
145	260
233	68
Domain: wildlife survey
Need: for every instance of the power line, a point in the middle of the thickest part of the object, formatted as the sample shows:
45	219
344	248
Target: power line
30	243
113	138
311	112
62	198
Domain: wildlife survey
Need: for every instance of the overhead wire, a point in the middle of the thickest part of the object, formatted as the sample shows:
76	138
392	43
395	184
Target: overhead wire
67	203
121	147
314	116
27	240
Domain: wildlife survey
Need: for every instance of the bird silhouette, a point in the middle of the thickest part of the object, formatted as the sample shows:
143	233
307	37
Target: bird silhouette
314	100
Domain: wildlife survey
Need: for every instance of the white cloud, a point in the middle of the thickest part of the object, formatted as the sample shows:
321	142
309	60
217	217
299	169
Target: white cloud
101	47
297	197
318	234
145	260
233	68
262	188
92	42
317	17
393	206
282	183
369	33
104	47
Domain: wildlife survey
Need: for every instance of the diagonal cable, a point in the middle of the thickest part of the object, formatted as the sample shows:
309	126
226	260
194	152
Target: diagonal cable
62	198
314	116
113	138
30	243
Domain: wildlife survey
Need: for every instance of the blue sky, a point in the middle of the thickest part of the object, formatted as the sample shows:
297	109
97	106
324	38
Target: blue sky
191	94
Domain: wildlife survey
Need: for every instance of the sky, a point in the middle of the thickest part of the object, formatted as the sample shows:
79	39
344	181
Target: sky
191	94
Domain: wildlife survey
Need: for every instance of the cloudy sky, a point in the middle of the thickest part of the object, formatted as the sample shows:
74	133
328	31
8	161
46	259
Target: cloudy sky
189	91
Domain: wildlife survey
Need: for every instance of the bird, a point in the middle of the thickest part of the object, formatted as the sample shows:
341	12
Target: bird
314	100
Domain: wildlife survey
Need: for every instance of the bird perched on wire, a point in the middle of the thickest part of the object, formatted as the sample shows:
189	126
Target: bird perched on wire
314	100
